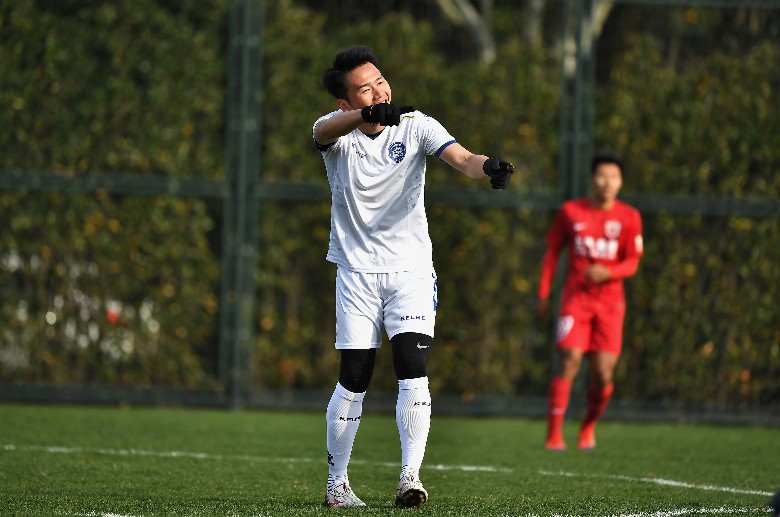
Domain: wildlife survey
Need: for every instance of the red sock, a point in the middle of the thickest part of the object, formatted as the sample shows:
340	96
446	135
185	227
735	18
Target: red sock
598	398
557	401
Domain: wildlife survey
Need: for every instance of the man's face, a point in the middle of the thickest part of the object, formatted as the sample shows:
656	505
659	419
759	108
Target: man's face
607	182
365	86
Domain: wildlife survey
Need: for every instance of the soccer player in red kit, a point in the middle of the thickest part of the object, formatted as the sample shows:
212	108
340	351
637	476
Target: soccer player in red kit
604	240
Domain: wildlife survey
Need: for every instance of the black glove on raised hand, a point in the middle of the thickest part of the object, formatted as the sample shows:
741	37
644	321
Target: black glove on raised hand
500	172
385	114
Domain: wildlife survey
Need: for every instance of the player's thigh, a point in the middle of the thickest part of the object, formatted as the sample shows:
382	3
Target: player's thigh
573	328
358	310
608	328
411	301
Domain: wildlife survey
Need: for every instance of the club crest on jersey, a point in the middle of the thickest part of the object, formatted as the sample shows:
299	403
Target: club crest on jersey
612	229
396	152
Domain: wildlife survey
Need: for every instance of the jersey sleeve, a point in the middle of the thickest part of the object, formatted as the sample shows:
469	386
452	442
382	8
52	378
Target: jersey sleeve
432	134
320	147
634	245
556	239
634	248
624	268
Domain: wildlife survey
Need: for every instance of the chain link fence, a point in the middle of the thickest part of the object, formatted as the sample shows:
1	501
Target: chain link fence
166	216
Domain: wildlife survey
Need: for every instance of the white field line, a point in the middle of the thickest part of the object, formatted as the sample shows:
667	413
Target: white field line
660	481
240	457
103	514
157	454
465	468
665	513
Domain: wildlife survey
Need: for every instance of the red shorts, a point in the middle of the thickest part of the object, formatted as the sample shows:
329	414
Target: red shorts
591	324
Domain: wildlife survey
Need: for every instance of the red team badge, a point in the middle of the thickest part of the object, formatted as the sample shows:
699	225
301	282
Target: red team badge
612	229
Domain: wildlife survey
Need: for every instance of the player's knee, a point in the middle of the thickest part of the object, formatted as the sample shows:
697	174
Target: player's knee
569	363
410	355
604	378
356	369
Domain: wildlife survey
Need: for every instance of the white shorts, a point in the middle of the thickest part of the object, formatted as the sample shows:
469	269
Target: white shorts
398	302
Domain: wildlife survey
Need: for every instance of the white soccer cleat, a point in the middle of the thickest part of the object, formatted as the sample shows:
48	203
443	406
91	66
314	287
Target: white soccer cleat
340	495
411	493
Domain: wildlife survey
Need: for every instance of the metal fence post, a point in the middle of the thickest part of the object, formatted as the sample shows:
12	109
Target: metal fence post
584	88
576	129
242	143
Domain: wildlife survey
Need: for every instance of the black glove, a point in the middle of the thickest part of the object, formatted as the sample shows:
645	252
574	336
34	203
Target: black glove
500	172
385	114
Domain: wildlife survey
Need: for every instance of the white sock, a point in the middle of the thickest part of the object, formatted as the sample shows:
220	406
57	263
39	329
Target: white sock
342	419
336	480
413	416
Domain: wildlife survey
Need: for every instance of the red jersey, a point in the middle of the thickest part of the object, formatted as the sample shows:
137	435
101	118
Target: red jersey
611	237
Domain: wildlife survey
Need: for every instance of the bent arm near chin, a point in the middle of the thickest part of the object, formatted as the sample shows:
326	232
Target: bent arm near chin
331	129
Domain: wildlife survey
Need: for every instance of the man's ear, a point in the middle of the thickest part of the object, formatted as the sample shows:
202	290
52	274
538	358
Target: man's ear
344	105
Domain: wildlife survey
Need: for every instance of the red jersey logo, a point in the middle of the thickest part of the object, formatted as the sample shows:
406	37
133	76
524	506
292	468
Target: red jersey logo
612	229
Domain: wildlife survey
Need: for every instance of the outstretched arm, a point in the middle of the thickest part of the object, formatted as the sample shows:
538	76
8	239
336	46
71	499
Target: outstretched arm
478	166
465	161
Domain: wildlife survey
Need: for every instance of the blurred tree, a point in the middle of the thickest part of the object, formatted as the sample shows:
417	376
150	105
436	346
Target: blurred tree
99	288
105	288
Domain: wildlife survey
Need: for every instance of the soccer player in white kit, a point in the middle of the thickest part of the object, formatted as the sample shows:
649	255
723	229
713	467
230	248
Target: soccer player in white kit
374	153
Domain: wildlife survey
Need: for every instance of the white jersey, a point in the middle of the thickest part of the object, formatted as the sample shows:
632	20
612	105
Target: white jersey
378	222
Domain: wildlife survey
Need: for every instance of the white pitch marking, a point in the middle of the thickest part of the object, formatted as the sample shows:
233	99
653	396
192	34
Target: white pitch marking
664	513
206	456
661	481
157	454
465	468
103	514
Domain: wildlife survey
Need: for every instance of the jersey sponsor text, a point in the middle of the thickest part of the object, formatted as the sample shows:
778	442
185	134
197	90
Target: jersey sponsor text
596	247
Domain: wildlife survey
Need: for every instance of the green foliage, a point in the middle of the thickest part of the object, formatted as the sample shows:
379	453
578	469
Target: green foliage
113	87
96	289
110	88
140	88
718	296
708	128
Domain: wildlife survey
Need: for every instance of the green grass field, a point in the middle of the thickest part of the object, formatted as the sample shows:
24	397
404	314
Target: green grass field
98	461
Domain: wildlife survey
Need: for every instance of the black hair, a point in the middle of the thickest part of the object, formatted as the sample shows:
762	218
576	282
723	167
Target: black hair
605	157
344	62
